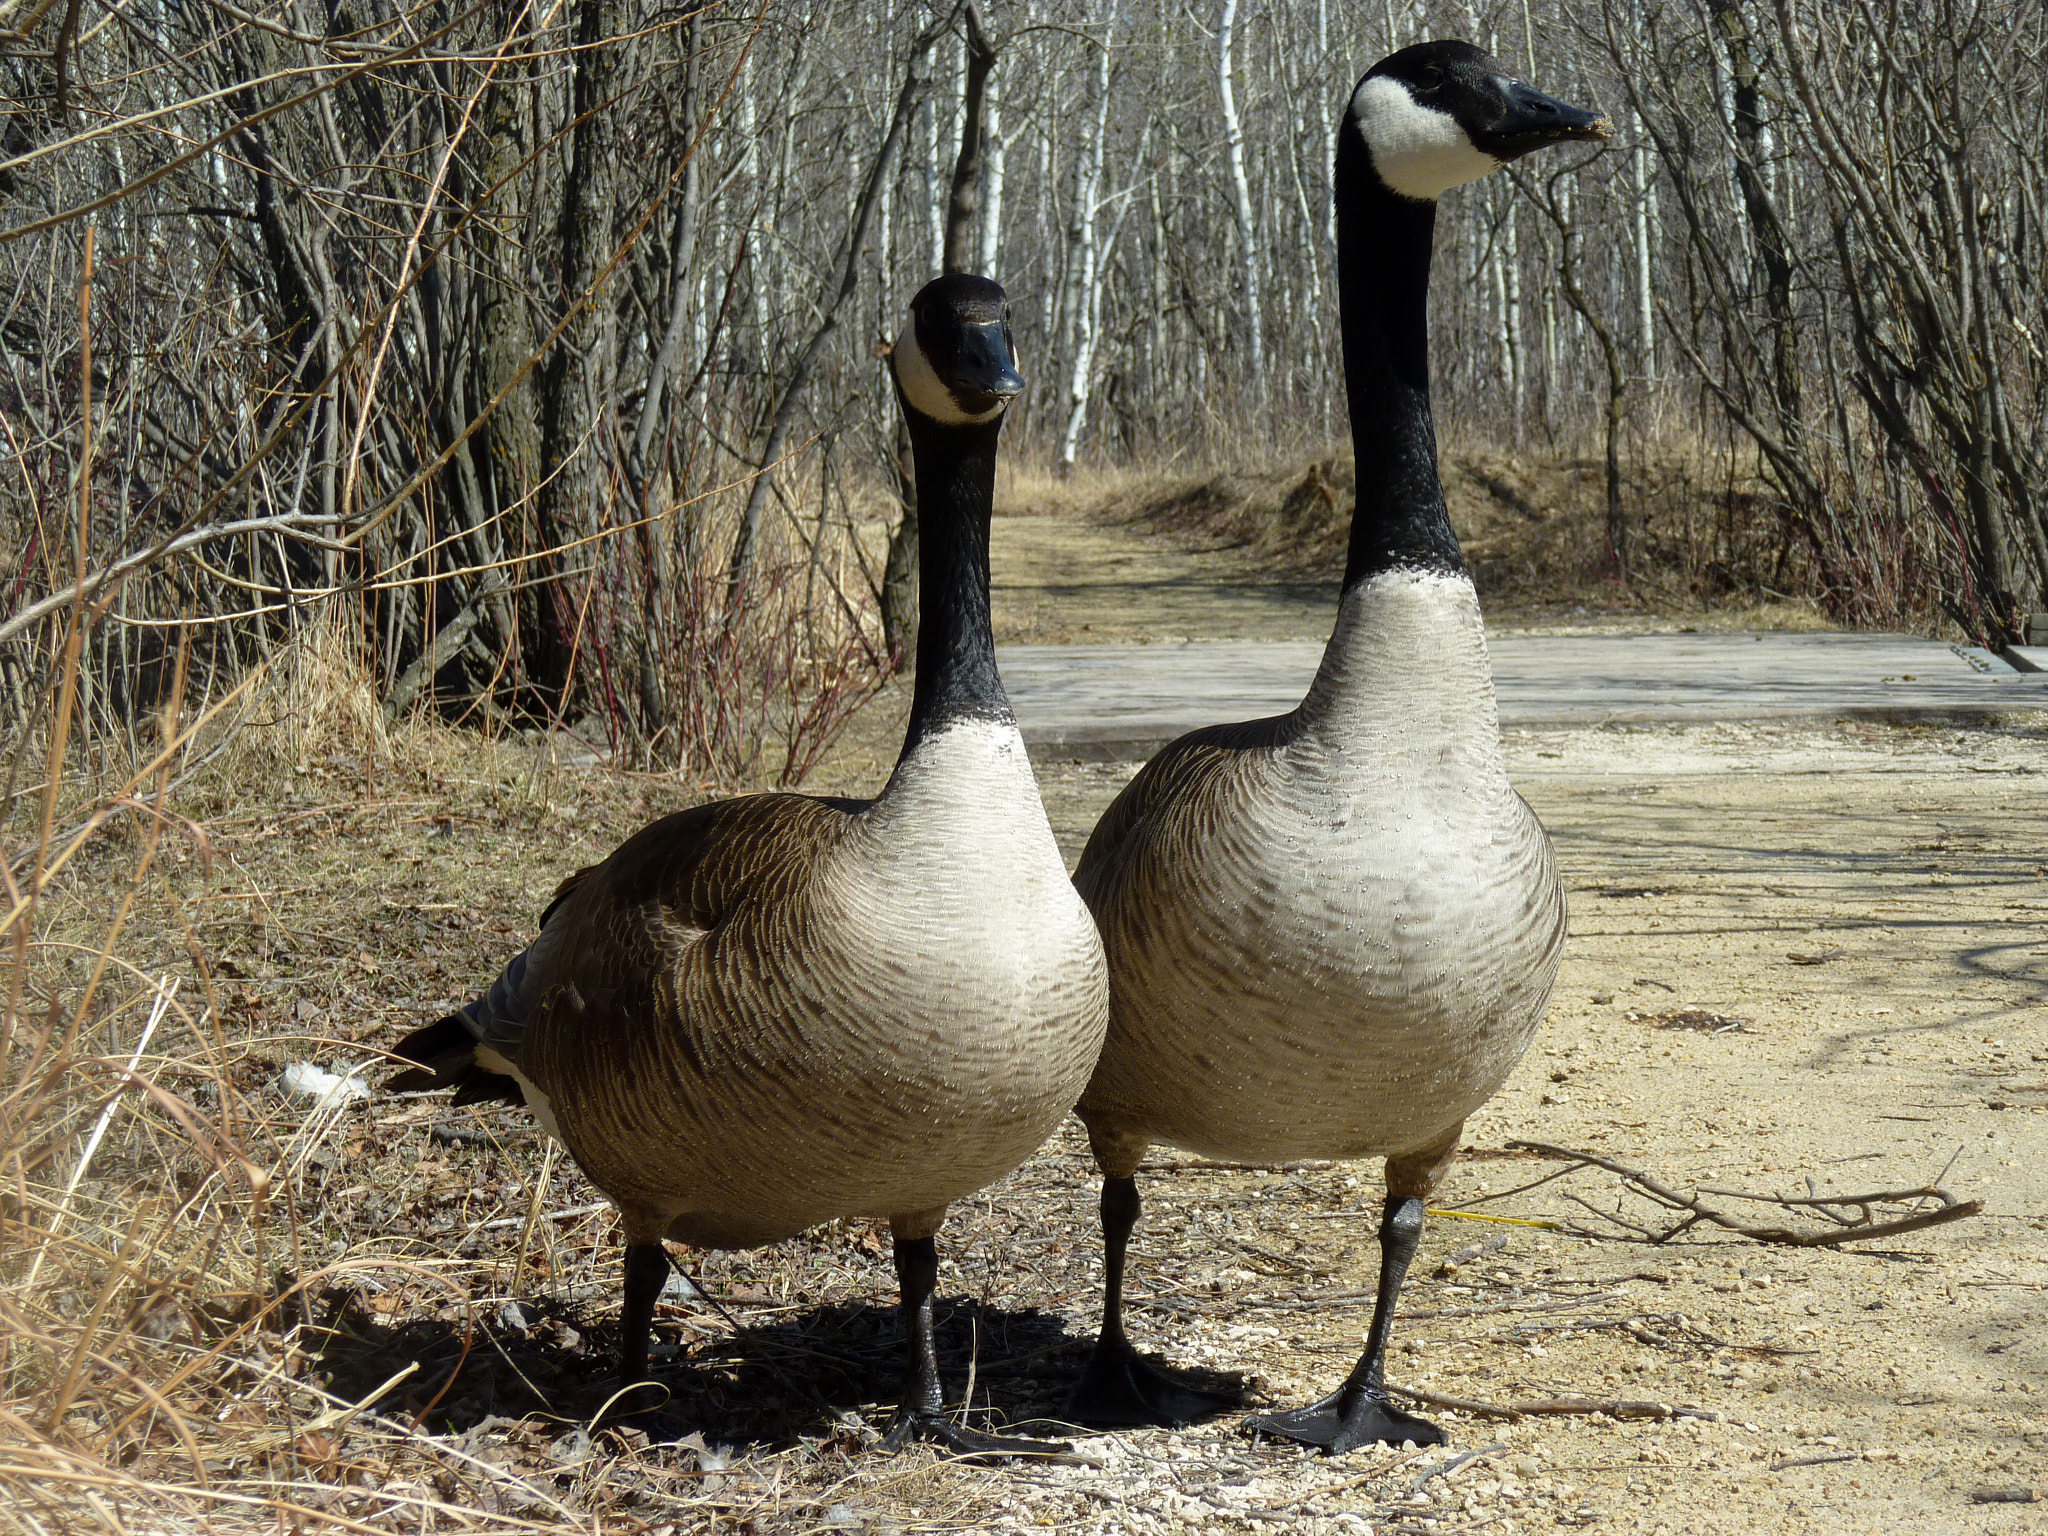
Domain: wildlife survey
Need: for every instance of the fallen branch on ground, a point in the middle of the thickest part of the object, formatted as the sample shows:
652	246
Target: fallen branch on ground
1848	1228
1613	1407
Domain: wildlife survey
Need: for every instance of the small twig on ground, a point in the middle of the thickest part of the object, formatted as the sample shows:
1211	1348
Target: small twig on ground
572	1213
1847	1229
1480	1249
1275	1258
1451	1464
1330	1490
1613	1407
1502	1194
1812	1461
1542	1304
1509	1221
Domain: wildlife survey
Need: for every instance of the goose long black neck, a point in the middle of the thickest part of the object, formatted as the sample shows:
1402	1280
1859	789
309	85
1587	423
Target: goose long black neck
956	650
1383	255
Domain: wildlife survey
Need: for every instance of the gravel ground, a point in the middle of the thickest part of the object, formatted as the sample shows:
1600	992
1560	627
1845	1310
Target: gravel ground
1802	958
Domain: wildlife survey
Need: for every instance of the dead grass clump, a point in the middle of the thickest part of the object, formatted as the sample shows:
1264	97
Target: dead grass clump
313	700
1025	488
1706	538
160	1278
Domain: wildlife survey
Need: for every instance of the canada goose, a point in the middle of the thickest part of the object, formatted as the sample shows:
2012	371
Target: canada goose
768	1012
1332	933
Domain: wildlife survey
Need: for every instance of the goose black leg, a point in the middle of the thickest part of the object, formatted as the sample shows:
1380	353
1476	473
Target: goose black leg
922	1414
1358	1412
646	1274
1118	1389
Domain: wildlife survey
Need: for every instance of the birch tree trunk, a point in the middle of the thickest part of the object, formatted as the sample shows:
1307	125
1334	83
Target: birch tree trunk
1518	349
989	254
1240	189
899	569
1641	222
1086	264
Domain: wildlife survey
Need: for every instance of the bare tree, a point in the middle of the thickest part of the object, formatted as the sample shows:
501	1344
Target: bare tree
506	343
1240	188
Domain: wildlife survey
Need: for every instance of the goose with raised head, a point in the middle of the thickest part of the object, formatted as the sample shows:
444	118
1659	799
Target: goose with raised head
1332	933
765	1013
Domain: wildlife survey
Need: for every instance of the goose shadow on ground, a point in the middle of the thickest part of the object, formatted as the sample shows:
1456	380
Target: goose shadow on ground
765	1386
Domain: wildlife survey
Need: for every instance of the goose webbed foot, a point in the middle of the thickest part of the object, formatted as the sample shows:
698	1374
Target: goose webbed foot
915	1425
1119	1391
922	1414
1358	1412
1334	1426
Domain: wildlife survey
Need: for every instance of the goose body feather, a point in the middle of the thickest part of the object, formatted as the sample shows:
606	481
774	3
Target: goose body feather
1332	932
764	1013
768	1012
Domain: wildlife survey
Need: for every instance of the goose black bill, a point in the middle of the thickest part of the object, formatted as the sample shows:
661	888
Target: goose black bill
1529	120
980	371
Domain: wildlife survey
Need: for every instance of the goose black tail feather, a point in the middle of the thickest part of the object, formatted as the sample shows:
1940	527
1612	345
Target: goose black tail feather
446	1055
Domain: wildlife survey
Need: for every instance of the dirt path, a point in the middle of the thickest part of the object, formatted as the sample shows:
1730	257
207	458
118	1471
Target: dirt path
1067	580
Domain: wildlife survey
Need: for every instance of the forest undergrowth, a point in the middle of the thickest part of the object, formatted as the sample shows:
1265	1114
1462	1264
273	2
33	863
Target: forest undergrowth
1705	536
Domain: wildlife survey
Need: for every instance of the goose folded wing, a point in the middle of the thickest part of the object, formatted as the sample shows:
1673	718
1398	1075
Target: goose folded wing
611	930
1173	797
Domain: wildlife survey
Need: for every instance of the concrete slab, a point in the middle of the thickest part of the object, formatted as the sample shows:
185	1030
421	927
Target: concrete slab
1125	701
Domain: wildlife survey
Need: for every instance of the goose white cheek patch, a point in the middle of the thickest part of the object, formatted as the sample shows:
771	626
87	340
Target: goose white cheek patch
922	386
1418	151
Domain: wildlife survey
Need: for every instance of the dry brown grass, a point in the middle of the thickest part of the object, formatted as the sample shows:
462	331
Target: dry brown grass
1708	545
224	1306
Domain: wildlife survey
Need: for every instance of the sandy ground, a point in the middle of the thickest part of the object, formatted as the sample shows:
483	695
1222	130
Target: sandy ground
1700	863
1803	957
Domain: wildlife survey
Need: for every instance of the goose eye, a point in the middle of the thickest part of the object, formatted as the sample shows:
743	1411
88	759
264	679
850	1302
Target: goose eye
1431	77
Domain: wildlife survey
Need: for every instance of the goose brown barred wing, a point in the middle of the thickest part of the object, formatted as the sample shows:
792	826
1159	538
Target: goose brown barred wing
1174	784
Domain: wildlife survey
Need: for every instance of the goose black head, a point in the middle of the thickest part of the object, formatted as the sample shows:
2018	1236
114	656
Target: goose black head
954	359
1437	115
